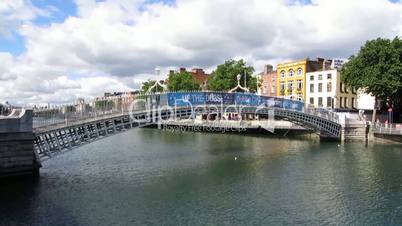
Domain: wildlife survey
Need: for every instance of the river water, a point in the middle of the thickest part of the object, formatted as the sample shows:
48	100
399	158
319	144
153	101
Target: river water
154	177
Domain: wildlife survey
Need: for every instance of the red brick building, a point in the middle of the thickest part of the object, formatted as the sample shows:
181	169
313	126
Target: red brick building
268	81
198	74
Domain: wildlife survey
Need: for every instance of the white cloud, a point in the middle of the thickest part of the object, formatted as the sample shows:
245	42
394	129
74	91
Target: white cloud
15	12
112	45
6	64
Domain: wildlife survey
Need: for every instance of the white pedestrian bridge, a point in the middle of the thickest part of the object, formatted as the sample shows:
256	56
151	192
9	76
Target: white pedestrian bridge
57	132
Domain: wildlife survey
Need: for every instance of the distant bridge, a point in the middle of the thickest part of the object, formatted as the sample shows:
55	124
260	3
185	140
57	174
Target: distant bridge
61	132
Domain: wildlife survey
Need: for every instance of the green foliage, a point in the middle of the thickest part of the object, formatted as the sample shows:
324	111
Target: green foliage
182	81
224	78
104	105
148	84
376	68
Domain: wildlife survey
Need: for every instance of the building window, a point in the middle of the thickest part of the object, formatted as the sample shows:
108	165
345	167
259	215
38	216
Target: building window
340	102
320	87
329	102
345	102
282	74
319	77
341	87
299	71
290	86
320	101
291	73
299	85
329	76
311	88
282	86
329	87
311	77
311	100
353	102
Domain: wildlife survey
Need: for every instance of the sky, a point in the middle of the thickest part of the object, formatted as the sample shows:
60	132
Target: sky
54	51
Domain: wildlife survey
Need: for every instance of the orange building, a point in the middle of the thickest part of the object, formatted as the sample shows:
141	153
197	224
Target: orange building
268	81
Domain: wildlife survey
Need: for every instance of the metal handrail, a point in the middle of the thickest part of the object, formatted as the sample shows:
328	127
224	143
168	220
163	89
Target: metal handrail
387	128
56	119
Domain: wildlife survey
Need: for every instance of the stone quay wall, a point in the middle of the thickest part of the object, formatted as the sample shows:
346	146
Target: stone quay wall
17	155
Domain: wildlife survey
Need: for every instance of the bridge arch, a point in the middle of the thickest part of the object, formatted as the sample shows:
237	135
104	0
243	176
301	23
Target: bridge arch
61	136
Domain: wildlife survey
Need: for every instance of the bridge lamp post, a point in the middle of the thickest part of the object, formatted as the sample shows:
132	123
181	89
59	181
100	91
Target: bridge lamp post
245	79
121	104
157	73
239	86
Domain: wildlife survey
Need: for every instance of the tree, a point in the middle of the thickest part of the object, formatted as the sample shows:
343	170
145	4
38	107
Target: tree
224	78
148	84
377	69
182	81
104	105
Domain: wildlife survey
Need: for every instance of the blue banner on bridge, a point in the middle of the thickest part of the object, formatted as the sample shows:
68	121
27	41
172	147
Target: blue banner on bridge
185	99
247	99
272	102
269	102
298	105
216	98
294	105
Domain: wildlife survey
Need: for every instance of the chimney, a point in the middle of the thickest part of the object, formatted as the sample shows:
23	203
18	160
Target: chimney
328	65
320	62
198	71
268	68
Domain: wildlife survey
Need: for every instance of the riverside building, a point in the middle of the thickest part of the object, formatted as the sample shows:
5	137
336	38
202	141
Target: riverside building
291	78
324	88
198	74
268	81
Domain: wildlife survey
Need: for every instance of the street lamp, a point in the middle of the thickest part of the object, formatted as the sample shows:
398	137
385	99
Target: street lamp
157	72
238	85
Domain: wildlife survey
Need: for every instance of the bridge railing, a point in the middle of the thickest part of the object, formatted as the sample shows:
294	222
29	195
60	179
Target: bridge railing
243	99
67	119
55	118
48	119
322	113
387	128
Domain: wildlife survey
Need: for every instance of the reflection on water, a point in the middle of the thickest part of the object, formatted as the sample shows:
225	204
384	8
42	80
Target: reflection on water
147	176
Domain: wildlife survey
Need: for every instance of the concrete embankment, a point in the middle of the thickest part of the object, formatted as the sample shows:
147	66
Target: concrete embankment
17	155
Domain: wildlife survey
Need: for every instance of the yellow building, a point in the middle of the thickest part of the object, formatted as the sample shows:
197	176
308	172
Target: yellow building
291	78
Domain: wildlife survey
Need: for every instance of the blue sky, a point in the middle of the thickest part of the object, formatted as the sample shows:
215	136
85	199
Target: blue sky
60	10
14	44
64	8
